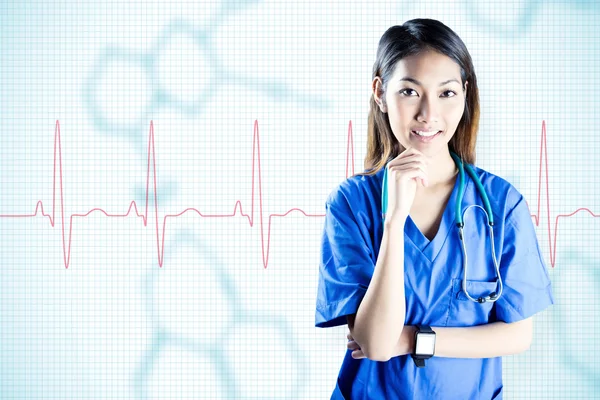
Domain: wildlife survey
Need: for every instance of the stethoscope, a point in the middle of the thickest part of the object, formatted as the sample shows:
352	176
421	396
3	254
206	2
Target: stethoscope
493	296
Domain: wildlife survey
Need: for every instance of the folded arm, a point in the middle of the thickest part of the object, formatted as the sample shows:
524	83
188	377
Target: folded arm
483	341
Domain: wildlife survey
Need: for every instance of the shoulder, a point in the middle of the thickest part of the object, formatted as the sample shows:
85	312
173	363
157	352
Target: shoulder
357	194
504	197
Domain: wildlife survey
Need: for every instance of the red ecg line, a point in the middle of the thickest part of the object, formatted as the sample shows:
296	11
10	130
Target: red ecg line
536	216
160	239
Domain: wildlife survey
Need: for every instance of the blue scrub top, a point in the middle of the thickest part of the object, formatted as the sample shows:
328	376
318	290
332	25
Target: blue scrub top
352	235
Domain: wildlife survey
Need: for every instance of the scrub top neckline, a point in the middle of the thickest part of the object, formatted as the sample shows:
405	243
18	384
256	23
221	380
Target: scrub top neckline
431	249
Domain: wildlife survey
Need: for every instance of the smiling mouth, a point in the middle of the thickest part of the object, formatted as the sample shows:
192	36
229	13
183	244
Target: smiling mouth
426	134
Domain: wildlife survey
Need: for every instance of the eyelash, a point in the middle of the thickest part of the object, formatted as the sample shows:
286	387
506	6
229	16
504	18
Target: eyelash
451	91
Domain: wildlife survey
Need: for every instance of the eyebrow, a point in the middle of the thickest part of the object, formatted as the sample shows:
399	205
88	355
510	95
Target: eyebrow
409	79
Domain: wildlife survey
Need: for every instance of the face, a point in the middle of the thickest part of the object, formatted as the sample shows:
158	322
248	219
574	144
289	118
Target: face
424	95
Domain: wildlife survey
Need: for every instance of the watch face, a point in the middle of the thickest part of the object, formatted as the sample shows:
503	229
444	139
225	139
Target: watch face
425	343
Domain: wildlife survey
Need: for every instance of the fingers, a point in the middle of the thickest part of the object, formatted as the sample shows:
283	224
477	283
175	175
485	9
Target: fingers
413	172
358	354
423	165
352	345
411	160
407	160
410	152
351	341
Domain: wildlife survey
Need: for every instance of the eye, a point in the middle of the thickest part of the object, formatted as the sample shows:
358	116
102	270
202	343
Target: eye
404	91
450	91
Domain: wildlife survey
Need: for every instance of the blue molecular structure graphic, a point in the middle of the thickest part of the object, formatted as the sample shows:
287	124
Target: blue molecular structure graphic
482	14
577	316
160	97
212	349
135	130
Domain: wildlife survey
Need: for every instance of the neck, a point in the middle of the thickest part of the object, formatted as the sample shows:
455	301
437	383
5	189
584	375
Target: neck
442	169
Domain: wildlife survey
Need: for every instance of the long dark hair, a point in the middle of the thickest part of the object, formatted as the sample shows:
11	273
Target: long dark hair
404	40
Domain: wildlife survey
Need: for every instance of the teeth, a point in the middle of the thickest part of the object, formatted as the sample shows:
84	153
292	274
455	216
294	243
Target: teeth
427	134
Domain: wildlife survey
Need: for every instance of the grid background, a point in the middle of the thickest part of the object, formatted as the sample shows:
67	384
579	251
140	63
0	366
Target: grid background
218	301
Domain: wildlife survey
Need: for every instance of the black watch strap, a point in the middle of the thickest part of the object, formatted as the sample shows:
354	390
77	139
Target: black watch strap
424	328
419	362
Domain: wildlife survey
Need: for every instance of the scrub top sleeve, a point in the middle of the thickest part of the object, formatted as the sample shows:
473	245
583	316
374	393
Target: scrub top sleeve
346	265
527	289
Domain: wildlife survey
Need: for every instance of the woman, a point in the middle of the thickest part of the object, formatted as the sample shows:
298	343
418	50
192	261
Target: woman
419	327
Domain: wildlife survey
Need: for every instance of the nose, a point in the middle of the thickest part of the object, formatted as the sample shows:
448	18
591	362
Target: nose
428	110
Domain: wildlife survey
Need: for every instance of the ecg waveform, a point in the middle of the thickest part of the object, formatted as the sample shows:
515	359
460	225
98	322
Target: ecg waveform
256	176
536	216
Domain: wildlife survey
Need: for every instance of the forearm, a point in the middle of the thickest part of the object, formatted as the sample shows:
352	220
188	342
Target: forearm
483	341
381	314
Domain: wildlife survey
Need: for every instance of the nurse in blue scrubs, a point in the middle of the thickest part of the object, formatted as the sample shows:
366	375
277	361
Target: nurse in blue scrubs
429	314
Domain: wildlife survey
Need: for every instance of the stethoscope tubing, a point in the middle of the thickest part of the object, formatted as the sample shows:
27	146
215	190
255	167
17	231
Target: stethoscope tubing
459	220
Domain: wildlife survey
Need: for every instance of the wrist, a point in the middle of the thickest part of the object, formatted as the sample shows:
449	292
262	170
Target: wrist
406	344
394	221
412	336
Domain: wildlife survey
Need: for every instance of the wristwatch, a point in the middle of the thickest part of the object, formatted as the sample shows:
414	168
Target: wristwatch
424	345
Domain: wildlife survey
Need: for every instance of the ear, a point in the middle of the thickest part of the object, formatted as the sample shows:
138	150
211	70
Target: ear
378	94
465	88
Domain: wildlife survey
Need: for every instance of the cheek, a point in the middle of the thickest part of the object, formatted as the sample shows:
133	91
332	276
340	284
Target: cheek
399	121
454	111
401	112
